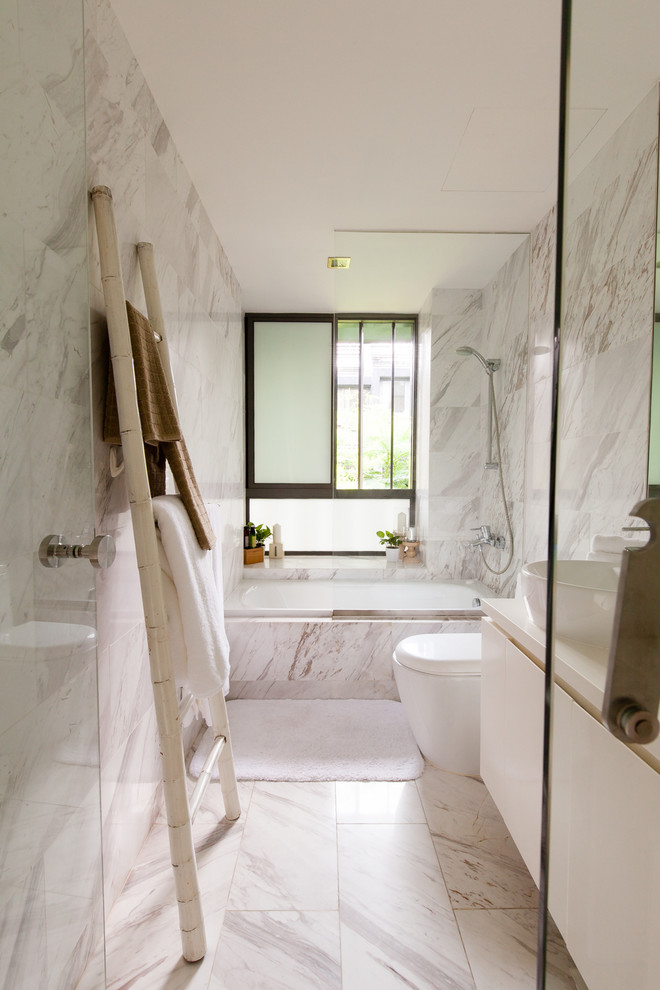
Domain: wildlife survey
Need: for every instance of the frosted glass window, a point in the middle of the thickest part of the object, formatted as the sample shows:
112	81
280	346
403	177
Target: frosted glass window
311	525
292	402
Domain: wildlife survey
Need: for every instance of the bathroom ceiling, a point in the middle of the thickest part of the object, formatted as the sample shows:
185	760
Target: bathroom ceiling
300	121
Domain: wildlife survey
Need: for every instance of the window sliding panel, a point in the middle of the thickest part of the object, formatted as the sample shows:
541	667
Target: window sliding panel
292	402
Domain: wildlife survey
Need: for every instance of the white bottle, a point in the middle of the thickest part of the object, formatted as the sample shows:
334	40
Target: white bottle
5	600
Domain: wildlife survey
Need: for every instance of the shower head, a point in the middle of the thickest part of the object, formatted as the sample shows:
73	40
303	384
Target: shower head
489	364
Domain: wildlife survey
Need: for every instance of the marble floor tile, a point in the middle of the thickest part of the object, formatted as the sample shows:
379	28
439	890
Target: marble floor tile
288	857
479	859
378	802
281	950
143	947
312	867
212	808
501	947
397	925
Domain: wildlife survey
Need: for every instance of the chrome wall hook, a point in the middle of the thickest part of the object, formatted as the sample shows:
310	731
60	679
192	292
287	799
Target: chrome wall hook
101	552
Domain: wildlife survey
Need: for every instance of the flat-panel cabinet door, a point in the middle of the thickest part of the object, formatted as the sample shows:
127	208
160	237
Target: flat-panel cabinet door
523	728
614	865
493	703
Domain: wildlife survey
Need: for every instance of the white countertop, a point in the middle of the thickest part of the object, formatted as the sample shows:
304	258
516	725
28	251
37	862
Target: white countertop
580	669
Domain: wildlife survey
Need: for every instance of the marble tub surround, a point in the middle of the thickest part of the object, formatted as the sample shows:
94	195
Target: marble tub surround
130	149
347	893
322	658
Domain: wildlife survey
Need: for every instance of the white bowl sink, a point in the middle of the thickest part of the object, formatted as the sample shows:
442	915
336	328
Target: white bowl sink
584	601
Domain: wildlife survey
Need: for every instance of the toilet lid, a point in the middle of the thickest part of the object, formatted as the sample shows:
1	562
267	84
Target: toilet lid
438	653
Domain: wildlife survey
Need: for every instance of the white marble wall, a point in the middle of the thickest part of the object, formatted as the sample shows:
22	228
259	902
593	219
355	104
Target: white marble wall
539	388
607	334
505	306
449	402
50	863
462	494
129	149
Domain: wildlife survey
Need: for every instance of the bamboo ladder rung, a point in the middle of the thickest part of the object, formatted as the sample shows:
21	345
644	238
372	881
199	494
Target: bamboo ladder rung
205	775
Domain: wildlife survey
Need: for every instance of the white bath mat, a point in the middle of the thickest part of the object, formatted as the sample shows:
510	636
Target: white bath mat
318	740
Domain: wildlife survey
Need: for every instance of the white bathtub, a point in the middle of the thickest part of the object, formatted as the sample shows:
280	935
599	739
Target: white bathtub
378	598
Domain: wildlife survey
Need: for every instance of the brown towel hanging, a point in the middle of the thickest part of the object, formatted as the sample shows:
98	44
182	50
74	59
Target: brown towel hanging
161	429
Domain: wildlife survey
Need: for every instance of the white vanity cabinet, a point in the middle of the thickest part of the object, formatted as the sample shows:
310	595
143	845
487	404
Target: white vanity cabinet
512	739
604	888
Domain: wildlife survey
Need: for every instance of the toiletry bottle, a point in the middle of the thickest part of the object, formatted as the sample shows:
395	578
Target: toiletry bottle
246	537
253	537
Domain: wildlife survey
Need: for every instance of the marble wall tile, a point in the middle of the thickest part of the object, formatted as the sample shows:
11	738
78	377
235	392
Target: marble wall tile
13	323
51	40
460	494
9	34
42	161
607	334
130	797
539	390
49	818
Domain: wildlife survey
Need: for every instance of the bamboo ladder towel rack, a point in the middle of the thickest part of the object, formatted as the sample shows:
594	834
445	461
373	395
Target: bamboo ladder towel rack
180	810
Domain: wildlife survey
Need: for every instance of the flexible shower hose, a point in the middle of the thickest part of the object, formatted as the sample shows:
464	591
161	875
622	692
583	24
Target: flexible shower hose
499	466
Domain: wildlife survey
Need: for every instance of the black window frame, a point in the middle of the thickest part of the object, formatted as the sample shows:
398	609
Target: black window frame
385	493
328	490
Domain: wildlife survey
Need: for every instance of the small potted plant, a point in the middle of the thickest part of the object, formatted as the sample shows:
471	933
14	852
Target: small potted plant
263	533
391	542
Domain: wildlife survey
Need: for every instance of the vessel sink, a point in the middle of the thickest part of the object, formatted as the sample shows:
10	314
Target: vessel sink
584	600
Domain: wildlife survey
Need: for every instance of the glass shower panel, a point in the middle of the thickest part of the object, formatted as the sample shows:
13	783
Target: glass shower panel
604	862
51	900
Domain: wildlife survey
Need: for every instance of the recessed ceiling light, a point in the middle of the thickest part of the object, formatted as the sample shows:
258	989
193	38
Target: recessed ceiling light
339	262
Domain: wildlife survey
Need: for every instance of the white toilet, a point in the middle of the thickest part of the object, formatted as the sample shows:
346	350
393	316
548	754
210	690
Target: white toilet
439	681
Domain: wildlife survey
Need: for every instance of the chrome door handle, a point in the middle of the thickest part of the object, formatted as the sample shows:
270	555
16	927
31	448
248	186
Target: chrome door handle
101	552
632	689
